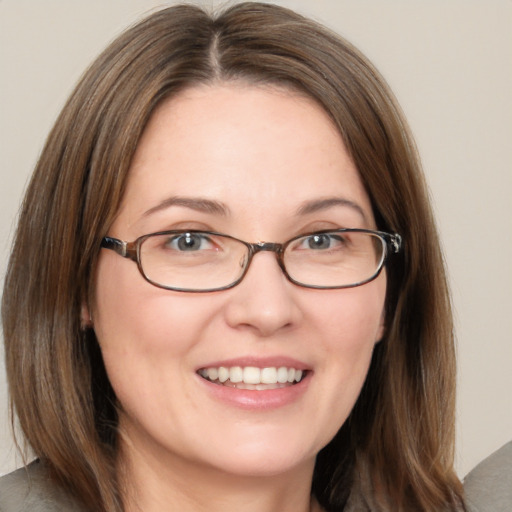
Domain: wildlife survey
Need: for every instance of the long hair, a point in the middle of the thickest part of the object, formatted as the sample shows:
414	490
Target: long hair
397	444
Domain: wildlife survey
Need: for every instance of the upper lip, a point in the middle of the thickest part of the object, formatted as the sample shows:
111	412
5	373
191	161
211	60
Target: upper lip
258	362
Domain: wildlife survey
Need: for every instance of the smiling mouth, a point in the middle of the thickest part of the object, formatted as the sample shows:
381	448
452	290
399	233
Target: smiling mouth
253	378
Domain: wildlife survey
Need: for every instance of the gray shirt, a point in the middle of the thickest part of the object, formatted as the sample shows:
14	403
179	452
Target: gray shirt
488	489
30	490
489	486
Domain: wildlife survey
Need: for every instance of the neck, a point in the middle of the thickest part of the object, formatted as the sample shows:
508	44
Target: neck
153	484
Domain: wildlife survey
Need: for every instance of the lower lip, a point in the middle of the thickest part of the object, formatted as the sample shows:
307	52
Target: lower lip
258	400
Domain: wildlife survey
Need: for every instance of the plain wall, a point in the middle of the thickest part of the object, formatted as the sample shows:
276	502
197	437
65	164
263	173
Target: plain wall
450	64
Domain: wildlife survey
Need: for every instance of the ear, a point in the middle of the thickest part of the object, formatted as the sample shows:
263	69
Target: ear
382	326
85	317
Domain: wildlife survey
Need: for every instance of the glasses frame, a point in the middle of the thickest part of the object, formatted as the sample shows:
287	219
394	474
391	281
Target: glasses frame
392	244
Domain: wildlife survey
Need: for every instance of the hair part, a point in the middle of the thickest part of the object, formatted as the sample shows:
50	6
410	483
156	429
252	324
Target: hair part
59	388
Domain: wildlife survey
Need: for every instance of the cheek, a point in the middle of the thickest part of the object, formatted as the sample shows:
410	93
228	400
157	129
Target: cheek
139	326
351	318
348	325
349	347
130	311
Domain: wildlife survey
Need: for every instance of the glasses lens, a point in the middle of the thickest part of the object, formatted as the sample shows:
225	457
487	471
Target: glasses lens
192	261
202	261
334	259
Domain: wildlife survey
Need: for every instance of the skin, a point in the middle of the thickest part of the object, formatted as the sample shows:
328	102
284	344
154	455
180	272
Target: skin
262	152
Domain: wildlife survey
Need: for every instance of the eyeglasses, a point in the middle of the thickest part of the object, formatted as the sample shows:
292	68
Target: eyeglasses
205	261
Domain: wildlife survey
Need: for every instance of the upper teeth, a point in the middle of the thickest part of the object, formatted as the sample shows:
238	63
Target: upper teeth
252	374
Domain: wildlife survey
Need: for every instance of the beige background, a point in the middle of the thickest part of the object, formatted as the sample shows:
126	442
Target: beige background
450	64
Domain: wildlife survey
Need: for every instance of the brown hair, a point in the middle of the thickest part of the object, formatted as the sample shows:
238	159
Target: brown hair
398	442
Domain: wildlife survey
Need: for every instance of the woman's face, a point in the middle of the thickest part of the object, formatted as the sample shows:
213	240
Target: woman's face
255	163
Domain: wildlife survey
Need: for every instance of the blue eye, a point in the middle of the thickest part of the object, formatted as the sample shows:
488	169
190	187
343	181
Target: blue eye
321	241
189	242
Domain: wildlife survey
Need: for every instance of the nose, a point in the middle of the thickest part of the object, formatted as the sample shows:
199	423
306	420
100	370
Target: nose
265	301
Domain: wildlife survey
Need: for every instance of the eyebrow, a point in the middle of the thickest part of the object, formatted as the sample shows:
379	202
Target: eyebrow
200	204
205	205
317	205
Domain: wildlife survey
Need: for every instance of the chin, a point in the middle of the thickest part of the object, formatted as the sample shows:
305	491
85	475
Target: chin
265	457
265	466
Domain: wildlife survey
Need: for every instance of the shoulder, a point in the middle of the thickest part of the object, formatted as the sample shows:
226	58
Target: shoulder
31	490
489	485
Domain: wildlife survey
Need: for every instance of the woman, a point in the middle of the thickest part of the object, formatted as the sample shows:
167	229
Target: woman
208	372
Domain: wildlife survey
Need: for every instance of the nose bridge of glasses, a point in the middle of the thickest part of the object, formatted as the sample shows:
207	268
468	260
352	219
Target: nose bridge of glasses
276	248
255	248
267	246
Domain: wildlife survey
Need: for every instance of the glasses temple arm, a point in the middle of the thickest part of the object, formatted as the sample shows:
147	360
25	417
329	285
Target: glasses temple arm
395	243
115	245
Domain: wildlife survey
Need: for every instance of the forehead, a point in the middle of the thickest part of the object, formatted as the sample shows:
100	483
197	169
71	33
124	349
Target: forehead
244	145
